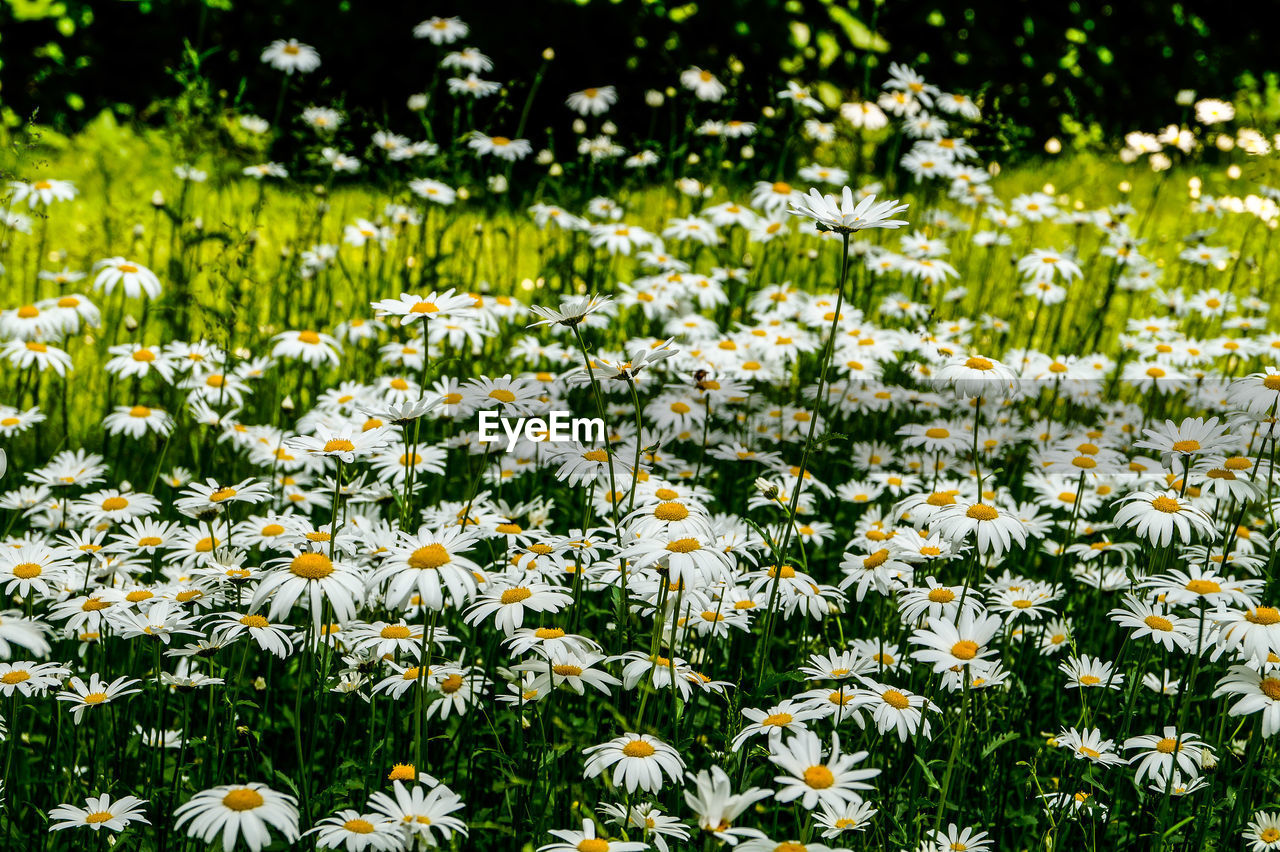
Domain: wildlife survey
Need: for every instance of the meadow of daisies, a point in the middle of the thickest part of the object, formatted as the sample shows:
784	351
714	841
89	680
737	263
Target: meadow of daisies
932	505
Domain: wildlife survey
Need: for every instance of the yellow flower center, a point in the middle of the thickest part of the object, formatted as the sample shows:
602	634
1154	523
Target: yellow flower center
819	777
670	511
516	595
684	545
1266	615
242	799
965	649
339	445
895	699
982	512
429	557
27	570
312	566
638	748
1168	505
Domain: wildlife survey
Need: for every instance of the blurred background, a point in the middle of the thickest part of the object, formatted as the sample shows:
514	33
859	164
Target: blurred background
1041	67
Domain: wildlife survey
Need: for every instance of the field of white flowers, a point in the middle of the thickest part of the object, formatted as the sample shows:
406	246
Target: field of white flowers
931	507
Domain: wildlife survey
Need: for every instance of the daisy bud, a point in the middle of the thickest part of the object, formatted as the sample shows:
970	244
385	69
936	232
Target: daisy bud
130	324
417	103
286	404
1053	145
1233	172
556	170
549	54
609	128
579	126
545	157
653	98
768	112
157	199
138	231
259	683
767	488
693	159
748	152
463	193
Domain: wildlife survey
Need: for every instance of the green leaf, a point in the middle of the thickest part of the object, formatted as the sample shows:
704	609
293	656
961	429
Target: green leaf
286	781
928	775
1007	736
859	34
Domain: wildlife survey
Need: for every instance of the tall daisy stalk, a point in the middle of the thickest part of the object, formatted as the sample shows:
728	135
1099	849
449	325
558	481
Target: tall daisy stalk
842	216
